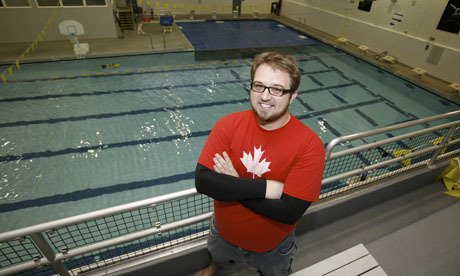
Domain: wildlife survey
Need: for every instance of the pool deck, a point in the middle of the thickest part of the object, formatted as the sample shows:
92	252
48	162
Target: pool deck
154	41
129	43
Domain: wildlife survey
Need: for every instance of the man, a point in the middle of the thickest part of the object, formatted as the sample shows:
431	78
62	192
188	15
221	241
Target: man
263	167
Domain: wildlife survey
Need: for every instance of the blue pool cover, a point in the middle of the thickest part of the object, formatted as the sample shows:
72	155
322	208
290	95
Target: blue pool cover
241	34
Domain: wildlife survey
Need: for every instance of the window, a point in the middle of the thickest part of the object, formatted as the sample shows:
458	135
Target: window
16	3
47	3
68	3
95	3
72	2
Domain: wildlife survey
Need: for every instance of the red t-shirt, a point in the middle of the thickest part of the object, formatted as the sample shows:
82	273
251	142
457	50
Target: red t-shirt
292	154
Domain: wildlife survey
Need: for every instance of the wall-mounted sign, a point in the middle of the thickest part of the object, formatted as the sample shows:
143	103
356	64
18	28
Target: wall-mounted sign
365	5
450	20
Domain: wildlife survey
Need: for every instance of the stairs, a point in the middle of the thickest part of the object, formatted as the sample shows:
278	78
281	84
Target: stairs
125	17
353	262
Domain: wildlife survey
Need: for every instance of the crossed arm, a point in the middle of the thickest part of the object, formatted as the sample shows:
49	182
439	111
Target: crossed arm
262	196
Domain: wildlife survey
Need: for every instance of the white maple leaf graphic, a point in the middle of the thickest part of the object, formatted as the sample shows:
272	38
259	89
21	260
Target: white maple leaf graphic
254	165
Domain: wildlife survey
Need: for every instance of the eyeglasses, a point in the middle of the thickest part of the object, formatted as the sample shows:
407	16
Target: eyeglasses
274	91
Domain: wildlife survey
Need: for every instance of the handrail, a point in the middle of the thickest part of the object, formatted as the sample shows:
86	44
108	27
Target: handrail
445	136
386	163
93	215
56	259
133	236
334	142
344	152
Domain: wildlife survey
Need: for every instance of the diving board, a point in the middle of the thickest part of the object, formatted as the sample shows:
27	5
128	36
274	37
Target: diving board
351	262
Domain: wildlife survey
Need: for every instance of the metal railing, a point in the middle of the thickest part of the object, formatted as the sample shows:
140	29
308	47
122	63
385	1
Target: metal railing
359	159
97	239
86	242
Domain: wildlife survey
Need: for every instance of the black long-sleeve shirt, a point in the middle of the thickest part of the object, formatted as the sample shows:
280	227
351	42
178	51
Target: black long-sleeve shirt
250	193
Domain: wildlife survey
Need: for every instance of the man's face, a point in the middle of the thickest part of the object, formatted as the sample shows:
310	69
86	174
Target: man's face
271	110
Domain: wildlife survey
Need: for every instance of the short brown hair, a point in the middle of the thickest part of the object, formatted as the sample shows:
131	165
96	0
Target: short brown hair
278	61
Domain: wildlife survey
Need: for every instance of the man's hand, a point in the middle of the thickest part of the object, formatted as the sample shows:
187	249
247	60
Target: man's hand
274	189
223	164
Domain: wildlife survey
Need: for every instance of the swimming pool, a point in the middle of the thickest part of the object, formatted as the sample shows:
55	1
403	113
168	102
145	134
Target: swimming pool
77	138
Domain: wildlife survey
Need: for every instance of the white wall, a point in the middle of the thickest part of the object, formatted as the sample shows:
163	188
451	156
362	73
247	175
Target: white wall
405	41
25	24
207	6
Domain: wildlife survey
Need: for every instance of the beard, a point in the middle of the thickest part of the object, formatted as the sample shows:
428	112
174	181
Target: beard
265	117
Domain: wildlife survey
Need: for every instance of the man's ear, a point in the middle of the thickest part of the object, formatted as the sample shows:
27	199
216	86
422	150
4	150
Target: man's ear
293	96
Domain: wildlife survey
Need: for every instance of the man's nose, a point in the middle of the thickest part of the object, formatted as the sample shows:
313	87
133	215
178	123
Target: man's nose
266	95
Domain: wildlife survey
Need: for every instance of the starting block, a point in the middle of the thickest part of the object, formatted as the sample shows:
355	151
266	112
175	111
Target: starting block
456	87
342	40
389	59
419	72
364	49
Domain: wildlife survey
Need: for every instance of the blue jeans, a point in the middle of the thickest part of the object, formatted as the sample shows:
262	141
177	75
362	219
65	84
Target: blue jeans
276	262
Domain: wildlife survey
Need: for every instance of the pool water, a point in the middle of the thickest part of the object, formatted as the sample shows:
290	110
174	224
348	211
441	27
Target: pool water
76	138
241	34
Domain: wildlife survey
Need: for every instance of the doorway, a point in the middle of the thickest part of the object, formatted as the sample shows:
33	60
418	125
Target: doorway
236	6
